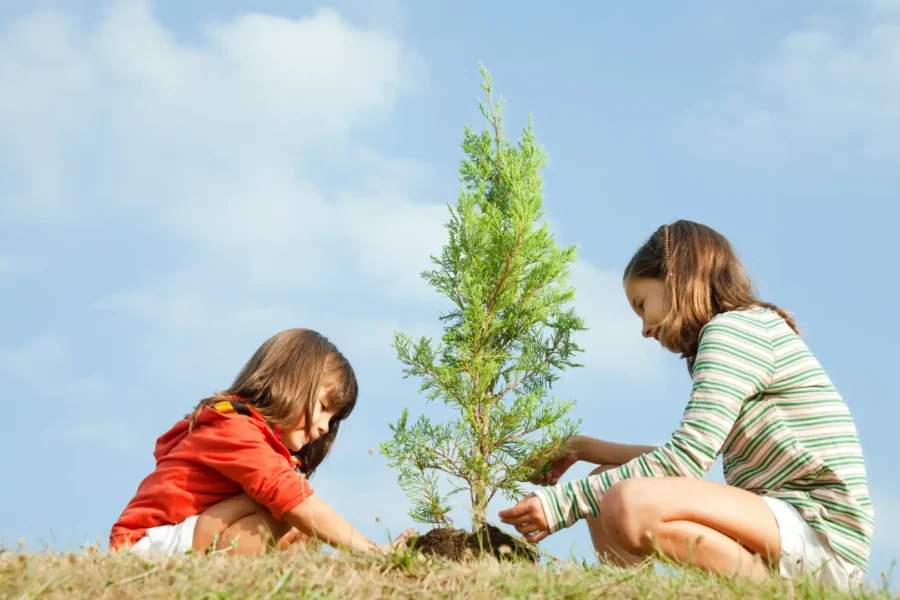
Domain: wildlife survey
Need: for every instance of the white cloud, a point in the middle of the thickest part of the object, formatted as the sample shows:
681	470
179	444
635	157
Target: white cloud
885	5
40	356
234	145
820	90
240	150
613	342
188	301
395	240
86	406
110	433
10	266
190	334
41	364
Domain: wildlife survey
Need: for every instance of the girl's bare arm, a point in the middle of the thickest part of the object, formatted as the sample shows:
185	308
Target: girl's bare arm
601	452
316	519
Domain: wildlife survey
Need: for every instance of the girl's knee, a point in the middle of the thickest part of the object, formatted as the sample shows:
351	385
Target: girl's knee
213	523
628	518
228	511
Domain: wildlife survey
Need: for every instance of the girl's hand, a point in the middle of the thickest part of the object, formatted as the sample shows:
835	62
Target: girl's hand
291	538
559	464
400	542
528	518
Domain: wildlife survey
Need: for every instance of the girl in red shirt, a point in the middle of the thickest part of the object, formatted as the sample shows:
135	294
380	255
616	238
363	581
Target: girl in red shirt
234	474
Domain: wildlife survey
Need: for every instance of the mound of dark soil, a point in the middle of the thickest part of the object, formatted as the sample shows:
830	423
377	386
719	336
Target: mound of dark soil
460	545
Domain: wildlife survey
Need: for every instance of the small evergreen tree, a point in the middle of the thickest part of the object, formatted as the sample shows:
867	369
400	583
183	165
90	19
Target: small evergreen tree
507	336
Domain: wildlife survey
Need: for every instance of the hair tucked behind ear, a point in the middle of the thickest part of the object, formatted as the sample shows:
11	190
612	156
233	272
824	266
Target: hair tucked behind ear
281	382
703	276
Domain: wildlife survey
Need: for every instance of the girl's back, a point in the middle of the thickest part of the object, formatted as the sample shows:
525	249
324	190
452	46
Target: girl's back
796	439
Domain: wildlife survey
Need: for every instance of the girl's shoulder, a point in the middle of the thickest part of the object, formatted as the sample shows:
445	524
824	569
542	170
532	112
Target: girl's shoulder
753	314
755	321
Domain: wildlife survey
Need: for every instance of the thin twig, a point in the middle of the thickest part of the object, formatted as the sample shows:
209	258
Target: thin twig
530	375
134	578
47	585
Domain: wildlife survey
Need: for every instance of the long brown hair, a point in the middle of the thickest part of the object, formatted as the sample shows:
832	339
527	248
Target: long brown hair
703	277
281	382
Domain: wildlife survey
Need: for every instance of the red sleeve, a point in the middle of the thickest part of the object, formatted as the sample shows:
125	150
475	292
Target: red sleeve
239	450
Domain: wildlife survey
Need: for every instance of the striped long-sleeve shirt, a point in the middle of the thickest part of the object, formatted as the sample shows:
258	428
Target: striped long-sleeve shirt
762	401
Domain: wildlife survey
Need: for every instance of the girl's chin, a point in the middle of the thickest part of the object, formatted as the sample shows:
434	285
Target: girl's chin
295	444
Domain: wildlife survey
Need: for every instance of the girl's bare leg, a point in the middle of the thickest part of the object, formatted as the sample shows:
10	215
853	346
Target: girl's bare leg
606	550
239	519
716	527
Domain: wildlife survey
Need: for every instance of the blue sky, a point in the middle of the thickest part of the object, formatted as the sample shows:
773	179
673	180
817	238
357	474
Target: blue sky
179	181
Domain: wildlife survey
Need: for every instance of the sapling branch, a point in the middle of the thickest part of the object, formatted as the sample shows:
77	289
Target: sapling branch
530	374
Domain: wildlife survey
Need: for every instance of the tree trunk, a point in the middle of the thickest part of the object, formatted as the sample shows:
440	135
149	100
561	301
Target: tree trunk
479	510
479	490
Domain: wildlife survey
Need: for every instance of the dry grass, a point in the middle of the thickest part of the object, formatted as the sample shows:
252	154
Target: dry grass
308	574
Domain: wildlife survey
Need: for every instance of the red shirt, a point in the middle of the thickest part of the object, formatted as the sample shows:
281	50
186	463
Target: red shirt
224	455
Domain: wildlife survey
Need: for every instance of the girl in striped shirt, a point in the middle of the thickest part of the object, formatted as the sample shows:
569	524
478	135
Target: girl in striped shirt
796	497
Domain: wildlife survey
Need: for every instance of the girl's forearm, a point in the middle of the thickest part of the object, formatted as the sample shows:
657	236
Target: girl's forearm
601	452
316	519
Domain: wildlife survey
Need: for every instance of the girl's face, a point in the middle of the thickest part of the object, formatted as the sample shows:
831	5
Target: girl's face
299	435
650	300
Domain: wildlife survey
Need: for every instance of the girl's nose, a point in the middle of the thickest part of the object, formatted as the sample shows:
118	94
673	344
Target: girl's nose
646	332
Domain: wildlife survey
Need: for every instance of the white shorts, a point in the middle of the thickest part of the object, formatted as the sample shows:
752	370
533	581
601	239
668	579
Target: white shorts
805	551
167	540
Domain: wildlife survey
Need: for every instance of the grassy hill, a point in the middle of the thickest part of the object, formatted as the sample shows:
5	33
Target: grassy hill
308	574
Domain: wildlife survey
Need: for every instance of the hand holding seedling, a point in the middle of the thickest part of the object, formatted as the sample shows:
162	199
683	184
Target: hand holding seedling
528	518
548	472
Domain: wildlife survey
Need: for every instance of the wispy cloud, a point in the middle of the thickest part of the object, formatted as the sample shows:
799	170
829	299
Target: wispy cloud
613	342
85	407
234	146
35	360
43	365
242	153
11	266
885	5
820	90
108	433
